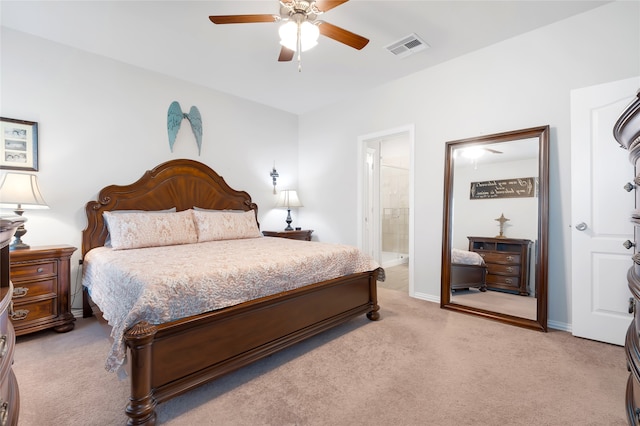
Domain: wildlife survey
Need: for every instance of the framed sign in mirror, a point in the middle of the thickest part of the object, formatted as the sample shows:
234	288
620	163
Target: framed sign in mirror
495	230
19	145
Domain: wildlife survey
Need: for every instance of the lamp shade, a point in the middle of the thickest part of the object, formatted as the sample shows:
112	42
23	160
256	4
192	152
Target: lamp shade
309	34
288	198
21	190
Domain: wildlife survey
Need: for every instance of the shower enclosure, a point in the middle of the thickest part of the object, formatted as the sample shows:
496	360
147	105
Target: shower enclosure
394	202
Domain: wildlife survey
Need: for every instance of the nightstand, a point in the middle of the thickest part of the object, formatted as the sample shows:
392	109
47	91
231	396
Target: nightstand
41	289
304	234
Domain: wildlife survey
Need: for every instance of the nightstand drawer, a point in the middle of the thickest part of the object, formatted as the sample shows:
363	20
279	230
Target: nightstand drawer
41	278
23	290
32	270
27	312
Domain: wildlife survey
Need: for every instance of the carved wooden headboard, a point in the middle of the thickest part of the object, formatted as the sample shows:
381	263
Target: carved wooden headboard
182	184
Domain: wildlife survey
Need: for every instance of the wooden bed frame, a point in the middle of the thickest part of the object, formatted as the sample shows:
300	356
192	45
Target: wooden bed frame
465	276
169	359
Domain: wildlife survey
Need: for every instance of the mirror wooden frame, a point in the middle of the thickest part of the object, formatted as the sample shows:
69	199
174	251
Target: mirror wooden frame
541	250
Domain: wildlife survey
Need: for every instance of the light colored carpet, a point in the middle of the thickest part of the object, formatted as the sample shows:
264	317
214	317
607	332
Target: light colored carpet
418	365
506	303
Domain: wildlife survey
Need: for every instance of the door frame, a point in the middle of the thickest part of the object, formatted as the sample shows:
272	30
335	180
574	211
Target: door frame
364	194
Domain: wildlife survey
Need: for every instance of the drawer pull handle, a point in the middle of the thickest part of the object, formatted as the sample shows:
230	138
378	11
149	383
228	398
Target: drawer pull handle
40	270
636	258
20	292
628	244
4	412
20	314
508	281
3	346
509	268
510	258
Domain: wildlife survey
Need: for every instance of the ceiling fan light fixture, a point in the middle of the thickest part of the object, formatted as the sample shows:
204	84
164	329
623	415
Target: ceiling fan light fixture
309	34
473	153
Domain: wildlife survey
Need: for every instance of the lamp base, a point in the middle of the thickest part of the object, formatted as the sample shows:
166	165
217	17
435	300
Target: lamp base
17	243
288	228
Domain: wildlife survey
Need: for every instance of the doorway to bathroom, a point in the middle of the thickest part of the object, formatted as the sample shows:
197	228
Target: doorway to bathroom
387	198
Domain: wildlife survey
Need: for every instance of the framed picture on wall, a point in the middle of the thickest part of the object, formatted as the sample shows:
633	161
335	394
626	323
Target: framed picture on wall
19	144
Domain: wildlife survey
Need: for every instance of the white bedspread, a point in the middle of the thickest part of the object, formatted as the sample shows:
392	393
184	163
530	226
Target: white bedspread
162	284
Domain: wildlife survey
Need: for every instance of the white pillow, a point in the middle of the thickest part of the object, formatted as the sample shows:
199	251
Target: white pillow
225	225
107	242
150	229
466	257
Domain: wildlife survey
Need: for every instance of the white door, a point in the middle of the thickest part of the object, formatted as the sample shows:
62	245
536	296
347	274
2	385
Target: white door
600	211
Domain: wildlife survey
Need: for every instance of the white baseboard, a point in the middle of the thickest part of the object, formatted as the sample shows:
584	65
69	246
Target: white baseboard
556	325
427	297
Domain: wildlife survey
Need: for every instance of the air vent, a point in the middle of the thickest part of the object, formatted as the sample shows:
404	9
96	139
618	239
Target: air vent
407	46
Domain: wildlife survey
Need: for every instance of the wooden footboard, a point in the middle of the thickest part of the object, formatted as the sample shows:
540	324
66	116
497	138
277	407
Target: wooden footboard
213	344
468	276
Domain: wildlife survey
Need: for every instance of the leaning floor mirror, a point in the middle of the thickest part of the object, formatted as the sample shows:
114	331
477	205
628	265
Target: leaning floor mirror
495	230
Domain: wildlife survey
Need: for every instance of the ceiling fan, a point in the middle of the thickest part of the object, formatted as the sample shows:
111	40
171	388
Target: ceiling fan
475	152
300	22
493	151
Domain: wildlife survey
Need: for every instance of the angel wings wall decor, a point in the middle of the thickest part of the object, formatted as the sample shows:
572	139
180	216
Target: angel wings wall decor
174	119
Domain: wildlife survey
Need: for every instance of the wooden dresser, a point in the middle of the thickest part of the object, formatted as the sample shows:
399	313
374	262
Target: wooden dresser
507	261
627	133
304	234
41	294
9	393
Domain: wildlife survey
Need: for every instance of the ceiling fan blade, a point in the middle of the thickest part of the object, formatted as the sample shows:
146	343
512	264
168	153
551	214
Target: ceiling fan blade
243	19
342	35
325	5
285	55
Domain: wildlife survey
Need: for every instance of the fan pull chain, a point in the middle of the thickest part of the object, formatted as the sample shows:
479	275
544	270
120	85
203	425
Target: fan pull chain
299	46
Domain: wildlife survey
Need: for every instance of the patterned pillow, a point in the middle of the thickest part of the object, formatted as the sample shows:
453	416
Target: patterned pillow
466	257
107	243
150	229
225	225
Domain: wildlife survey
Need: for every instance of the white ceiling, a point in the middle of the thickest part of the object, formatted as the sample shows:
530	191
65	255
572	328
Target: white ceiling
176	38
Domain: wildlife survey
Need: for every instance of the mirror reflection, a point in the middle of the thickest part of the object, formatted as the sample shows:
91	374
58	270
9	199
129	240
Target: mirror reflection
495	224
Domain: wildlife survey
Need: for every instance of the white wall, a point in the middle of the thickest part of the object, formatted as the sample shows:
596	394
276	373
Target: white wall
519	83
102	122
521	212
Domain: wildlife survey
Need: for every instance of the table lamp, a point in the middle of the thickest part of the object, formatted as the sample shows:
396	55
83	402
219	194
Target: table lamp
288	198
20	192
